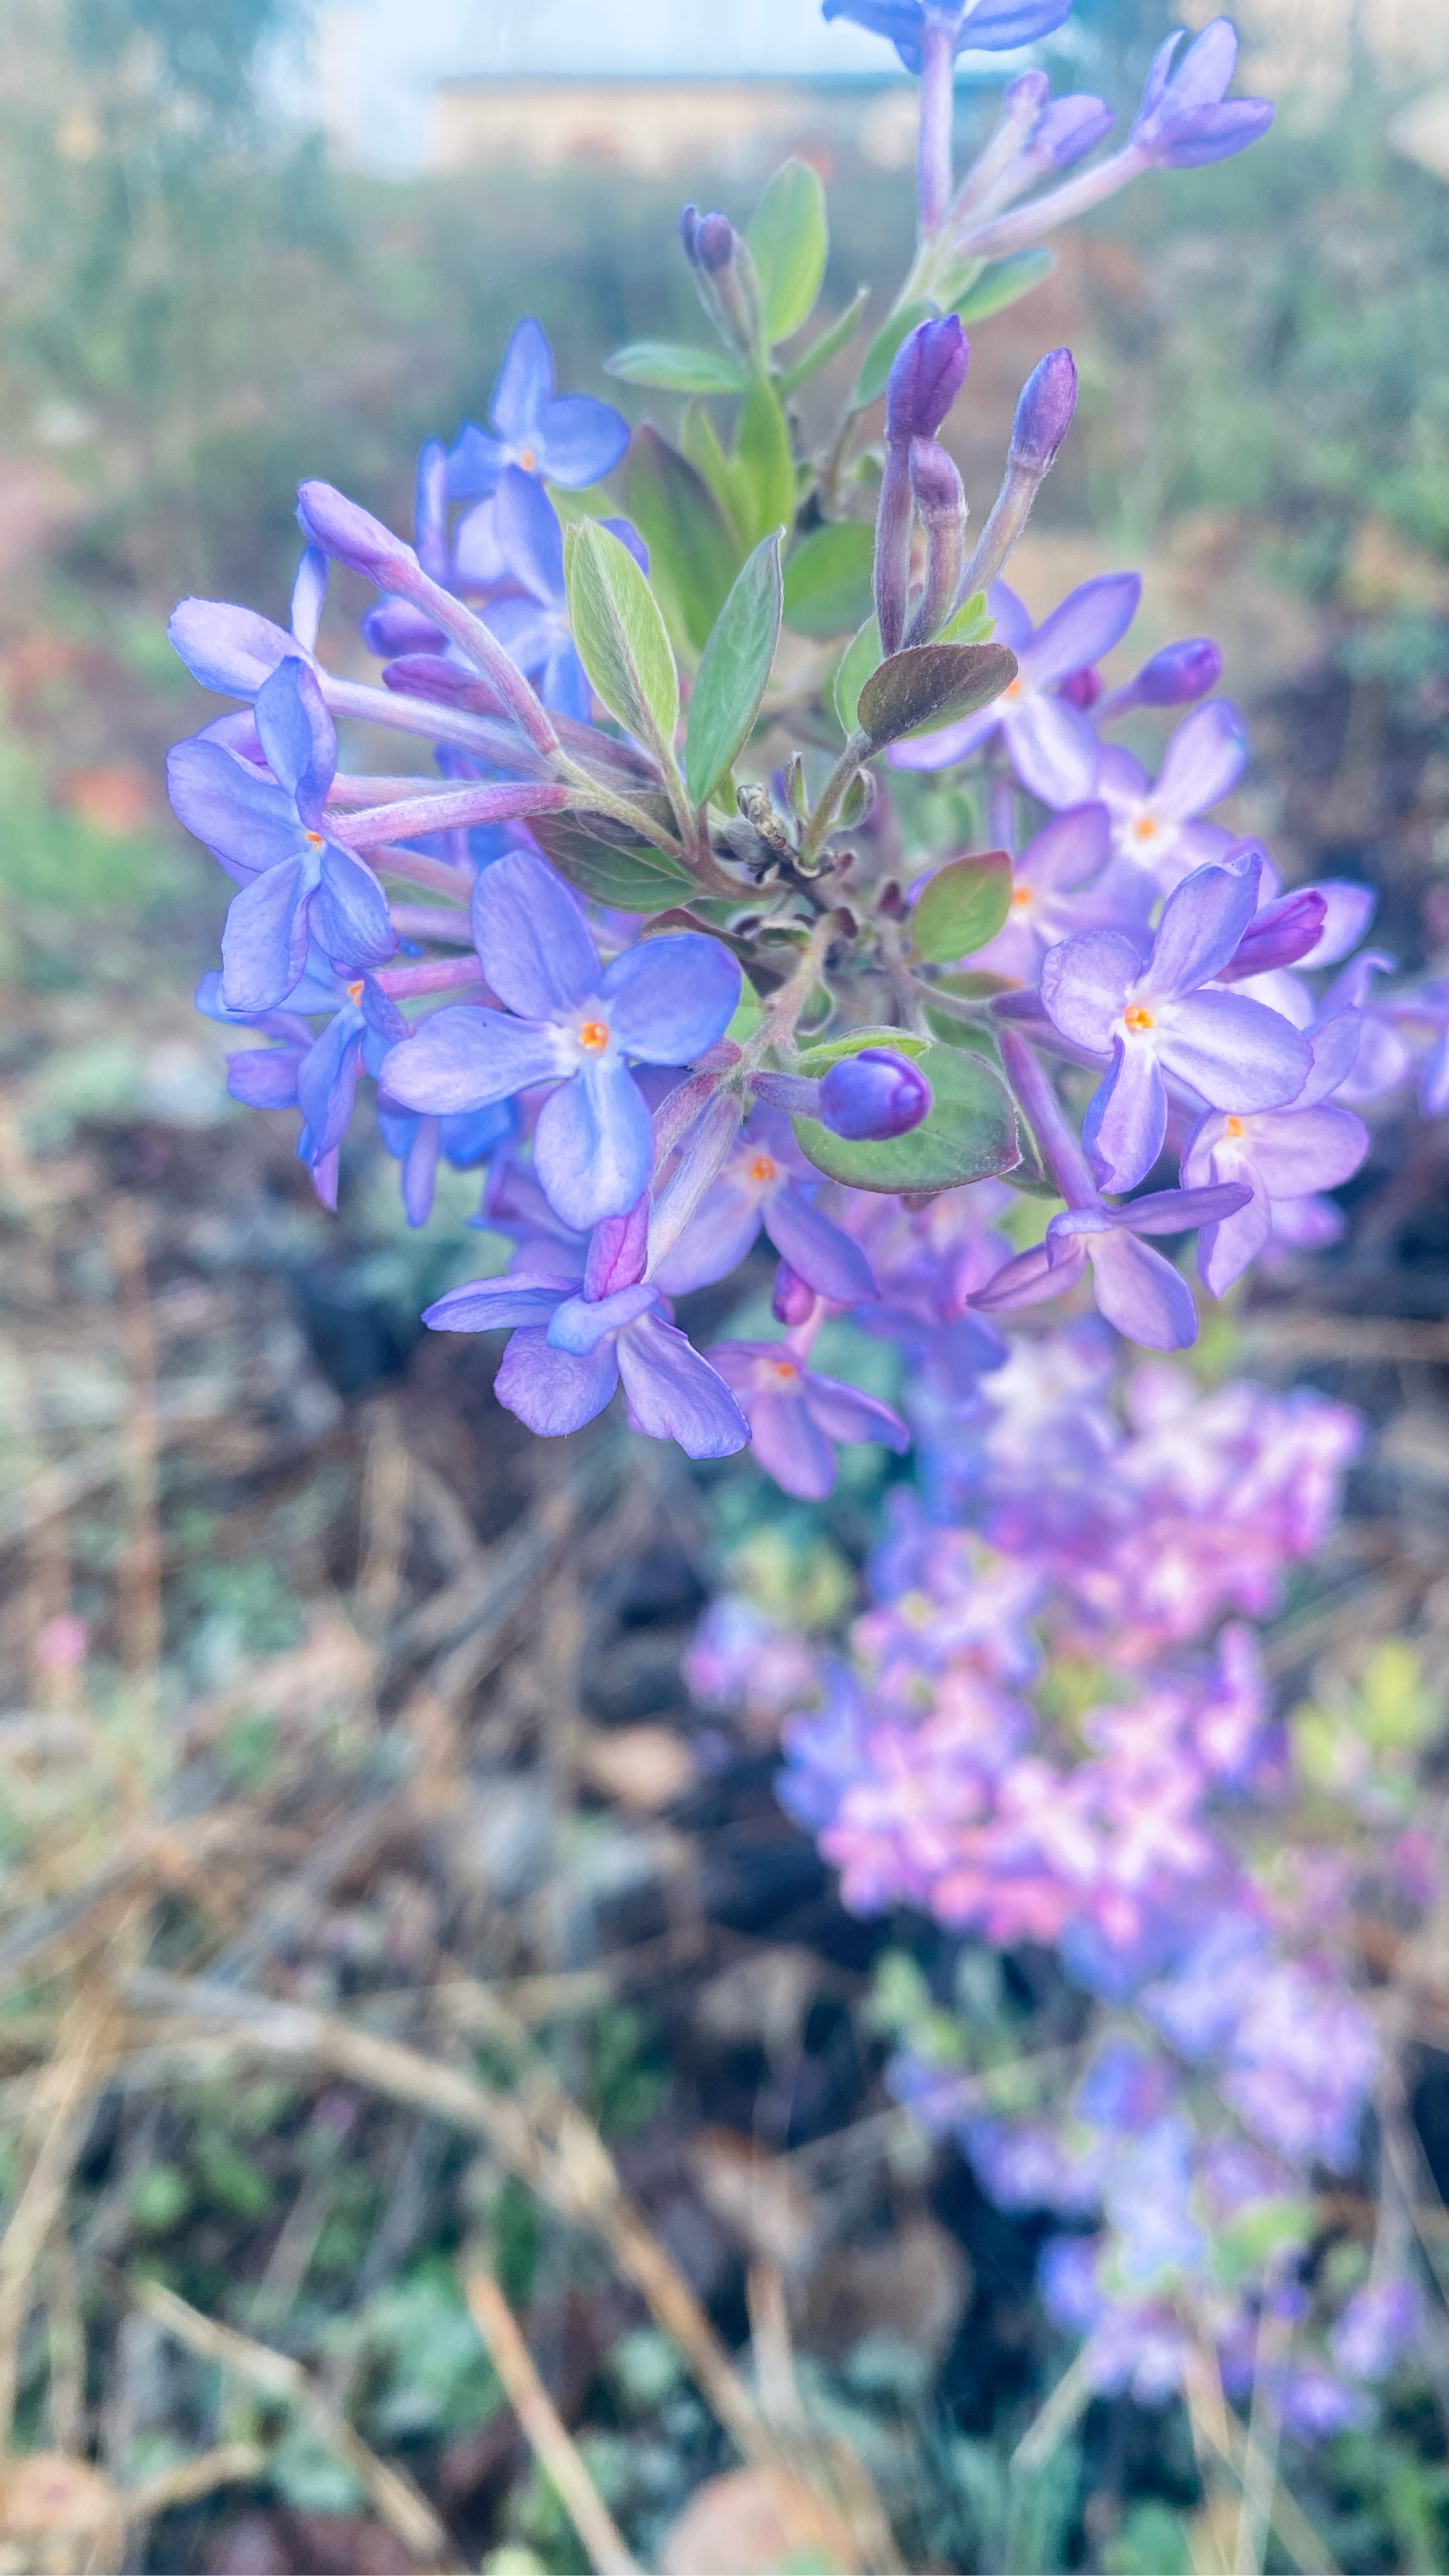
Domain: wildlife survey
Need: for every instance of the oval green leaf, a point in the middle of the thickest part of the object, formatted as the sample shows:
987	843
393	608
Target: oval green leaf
733	673
678	368
860	658
816	1060
961	906
620	634
764	467
929	685
610	866
970	1133
828	580
973	622
693	553
789	239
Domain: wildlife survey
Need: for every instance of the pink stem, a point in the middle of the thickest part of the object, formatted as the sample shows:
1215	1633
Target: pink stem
434	975
431	921
462	806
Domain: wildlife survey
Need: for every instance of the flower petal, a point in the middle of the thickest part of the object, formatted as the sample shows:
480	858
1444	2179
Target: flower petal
791	1447
1140	1293
1201	925
582	1322
953	742
523	386
1053	748
669	998
1233	1052
351	919
327	1081
593	1147
490	1305
230	650
1204	760
580	440
1084	983
1068	849
533	939
464	1058
1126	1118
714	1242
264	943
298	736
1090	620
828	1260
264	1077
231	807
1225	1248
845	1413
675	1395
1030	1280
553	1392
528	535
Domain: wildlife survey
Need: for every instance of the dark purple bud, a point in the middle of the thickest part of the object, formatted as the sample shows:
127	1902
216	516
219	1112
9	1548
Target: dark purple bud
352	535
714	243
875	1094
1179	673
1080	688
1044	411
927	373
935	483
395	627
794	1299
1278	935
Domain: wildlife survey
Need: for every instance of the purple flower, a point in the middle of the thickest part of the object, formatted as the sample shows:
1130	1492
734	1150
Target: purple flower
992	26
760	1184
270	833
575	1025
419	1143
1183	120
566	438
532	623
1156	826
1156	1020
1135	1288
1279	1153
572	1345
1173	677
795	1415
319	1074
1063	883
1050	743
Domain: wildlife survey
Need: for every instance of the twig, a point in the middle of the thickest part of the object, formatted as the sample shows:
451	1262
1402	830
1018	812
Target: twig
66	2344
1305	2545
230	2464
555	2448
1069	2399
55	2132
403	2507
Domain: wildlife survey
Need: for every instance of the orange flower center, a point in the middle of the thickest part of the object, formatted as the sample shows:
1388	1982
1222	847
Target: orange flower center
1145	827
1136	1018
1021	896
1233	1127
763	1168
354	991
314	840
527	458
594	1034
784	1369
1014	688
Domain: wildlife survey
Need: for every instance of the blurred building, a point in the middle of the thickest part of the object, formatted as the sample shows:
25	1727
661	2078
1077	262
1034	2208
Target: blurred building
664	127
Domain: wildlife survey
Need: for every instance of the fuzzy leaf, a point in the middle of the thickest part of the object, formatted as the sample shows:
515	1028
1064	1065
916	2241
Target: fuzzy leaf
620	634
970	1132
972	623
961	906
788	240
693	553
733	673
678	368
930	685
610	865
827	580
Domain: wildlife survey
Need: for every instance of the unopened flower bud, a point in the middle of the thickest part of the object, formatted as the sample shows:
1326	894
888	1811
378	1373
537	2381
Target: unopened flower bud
1179	673
725	275
351	535
927	373
875	1094
1044	411
793	1301
941	507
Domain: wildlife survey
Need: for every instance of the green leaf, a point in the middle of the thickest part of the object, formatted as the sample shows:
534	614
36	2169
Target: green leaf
1002	283
610	865
829	345
733	673
961	906
970	1132
765	470
788	240
876	364
621	636
816	1060
929	685
700	441
828	580
973	622
678	368
693	552
861	657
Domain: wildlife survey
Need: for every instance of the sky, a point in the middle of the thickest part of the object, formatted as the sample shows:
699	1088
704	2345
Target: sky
373	63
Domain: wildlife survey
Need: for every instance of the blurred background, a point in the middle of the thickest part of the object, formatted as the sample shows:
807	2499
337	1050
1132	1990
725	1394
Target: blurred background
336	1681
